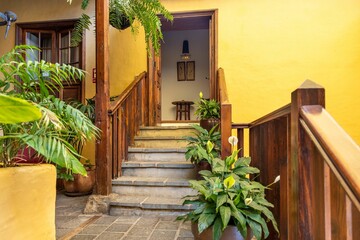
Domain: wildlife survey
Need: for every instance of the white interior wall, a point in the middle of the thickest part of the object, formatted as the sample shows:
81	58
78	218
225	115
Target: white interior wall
173	90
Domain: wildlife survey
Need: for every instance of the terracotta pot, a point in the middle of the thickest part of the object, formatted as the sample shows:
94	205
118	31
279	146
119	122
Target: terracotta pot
230	233
81	185
203	165
208	124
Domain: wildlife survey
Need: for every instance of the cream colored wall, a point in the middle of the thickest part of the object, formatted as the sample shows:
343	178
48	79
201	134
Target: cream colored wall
268	48
127	51
173	90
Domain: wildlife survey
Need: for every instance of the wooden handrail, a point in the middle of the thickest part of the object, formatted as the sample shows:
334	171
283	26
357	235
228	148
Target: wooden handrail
283	111
119	100
223	94
343	153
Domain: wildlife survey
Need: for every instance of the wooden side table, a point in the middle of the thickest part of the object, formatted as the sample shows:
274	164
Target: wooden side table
183	107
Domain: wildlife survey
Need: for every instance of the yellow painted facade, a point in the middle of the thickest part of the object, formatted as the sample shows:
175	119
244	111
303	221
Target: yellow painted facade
268	48
27	202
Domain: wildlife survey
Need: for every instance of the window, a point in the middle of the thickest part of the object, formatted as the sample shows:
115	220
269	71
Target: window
53	40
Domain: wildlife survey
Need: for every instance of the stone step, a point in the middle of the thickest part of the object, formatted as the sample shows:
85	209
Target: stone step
126	205
167	131
160	141
156	154
152	186
159	169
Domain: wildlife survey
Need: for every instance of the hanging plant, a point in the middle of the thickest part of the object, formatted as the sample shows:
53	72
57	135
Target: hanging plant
123	13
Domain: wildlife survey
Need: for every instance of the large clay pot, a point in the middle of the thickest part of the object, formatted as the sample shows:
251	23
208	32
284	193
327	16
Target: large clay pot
203	165
230	233
81	185
208	124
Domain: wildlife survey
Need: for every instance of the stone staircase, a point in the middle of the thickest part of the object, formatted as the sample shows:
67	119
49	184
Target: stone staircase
155	177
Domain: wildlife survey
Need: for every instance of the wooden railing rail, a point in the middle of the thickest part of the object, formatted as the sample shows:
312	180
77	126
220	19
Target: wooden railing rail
127	113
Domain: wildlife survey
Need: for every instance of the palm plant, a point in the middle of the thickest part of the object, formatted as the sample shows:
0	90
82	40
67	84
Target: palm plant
123	13
61	129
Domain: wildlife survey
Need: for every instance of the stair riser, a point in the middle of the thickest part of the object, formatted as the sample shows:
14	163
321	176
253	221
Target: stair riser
160	143
187	173
167	132
154	191
124	211
159	157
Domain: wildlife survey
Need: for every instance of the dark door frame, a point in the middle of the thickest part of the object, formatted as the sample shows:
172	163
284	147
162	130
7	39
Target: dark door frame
154	63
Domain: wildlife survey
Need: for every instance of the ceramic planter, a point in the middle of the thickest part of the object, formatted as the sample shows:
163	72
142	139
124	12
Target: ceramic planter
81	185
27	202
208	124
230	233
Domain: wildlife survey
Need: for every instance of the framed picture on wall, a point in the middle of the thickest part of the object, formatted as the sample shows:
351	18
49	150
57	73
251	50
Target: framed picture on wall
190	71
181	74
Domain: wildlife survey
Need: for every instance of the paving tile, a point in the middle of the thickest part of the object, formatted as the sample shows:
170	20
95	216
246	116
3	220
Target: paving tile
93	229
62	232
127	219
163	235
106	220
133	238
185	238
168	225
140	231
74	222
118	227
83	237
110	236
185	233
147	222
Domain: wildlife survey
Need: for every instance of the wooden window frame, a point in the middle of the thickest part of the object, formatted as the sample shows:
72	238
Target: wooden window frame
58	27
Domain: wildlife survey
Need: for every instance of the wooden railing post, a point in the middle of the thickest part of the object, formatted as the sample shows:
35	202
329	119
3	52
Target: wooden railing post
300	181
102	153
225	128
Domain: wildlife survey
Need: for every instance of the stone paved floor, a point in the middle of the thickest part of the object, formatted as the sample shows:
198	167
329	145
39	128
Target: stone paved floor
72	224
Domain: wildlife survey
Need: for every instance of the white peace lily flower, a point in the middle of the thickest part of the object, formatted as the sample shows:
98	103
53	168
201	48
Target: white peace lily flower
233	140
248	201
201	95
277	179
69	1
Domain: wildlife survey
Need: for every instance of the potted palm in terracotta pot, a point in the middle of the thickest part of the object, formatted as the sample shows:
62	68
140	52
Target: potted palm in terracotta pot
208	111
229	205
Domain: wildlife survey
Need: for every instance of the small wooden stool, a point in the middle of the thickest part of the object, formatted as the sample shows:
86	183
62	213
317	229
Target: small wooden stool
183	107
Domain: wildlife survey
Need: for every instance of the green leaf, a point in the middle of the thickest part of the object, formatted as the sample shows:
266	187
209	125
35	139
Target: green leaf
16	110
205	220
256	228
217	232
221	199
225	213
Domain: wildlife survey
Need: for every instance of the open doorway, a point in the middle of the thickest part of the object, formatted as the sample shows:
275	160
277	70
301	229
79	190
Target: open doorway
173	78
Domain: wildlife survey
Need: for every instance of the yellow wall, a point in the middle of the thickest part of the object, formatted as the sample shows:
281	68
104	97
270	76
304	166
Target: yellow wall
27	202
268	48
127	51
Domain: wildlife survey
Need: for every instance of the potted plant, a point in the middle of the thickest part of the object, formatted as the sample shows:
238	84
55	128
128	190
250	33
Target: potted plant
229	205
208	111
47	134
202	147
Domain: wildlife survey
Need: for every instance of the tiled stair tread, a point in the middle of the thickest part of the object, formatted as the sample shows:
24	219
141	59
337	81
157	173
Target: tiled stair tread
148	164
156	150
148	202
159	138
166	127
150	181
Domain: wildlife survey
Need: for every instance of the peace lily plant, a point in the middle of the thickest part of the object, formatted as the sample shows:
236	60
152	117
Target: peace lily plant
227	196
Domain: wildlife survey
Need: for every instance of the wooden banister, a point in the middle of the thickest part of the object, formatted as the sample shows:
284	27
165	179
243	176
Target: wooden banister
127	113
342	155
281	112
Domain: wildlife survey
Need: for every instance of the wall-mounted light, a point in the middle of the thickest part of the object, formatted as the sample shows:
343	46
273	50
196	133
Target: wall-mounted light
8	18
185	51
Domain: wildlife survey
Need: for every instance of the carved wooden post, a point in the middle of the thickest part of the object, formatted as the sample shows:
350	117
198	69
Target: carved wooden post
299	182
102	154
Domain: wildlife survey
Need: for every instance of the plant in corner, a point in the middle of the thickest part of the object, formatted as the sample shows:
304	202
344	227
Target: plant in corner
203	146
208	111
227	199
